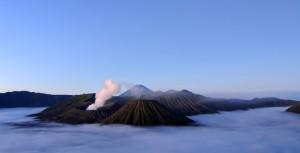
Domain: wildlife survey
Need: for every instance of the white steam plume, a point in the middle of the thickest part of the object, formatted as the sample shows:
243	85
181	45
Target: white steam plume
104	94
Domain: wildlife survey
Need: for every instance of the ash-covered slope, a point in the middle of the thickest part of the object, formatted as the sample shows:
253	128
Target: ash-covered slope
73	111
184	102
146	113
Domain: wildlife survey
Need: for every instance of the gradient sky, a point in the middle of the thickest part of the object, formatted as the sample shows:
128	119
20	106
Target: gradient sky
210	47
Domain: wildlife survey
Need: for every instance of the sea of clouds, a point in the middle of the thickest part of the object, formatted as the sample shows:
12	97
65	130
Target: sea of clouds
267	130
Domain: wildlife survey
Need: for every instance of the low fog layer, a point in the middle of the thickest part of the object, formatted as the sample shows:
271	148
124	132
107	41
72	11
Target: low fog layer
261	131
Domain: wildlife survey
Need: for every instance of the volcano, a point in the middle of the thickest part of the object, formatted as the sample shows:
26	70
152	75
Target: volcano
139	92
146	113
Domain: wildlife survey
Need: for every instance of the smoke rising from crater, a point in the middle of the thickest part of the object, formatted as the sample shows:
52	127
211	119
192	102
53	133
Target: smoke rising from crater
110	88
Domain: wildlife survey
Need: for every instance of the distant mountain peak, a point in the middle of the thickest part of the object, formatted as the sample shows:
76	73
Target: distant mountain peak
186	91
140	87
140	91
24	92
266	99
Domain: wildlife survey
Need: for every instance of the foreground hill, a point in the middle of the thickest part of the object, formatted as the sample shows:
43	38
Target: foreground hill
29	99
146	113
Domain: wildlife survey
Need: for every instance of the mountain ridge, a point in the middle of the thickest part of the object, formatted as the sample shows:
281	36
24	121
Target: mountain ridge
190	103
29	99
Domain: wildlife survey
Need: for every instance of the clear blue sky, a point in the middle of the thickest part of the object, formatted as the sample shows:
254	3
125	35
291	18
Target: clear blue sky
210	47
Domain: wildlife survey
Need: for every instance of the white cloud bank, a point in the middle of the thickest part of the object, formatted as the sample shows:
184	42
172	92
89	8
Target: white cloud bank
269	130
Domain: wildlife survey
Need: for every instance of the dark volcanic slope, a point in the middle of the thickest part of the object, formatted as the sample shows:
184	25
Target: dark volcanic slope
29	99
146	113
184	102
294	109
73	111
117	111
79	102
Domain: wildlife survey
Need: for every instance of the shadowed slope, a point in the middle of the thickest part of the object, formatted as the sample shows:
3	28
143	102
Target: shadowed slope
294	109
146	113
74	102
184	102
73	111
29	99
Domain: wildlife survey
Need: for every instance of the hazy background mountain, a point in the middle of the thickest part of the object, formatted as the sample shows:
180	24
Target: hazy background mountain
139	91
29	99
250	95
